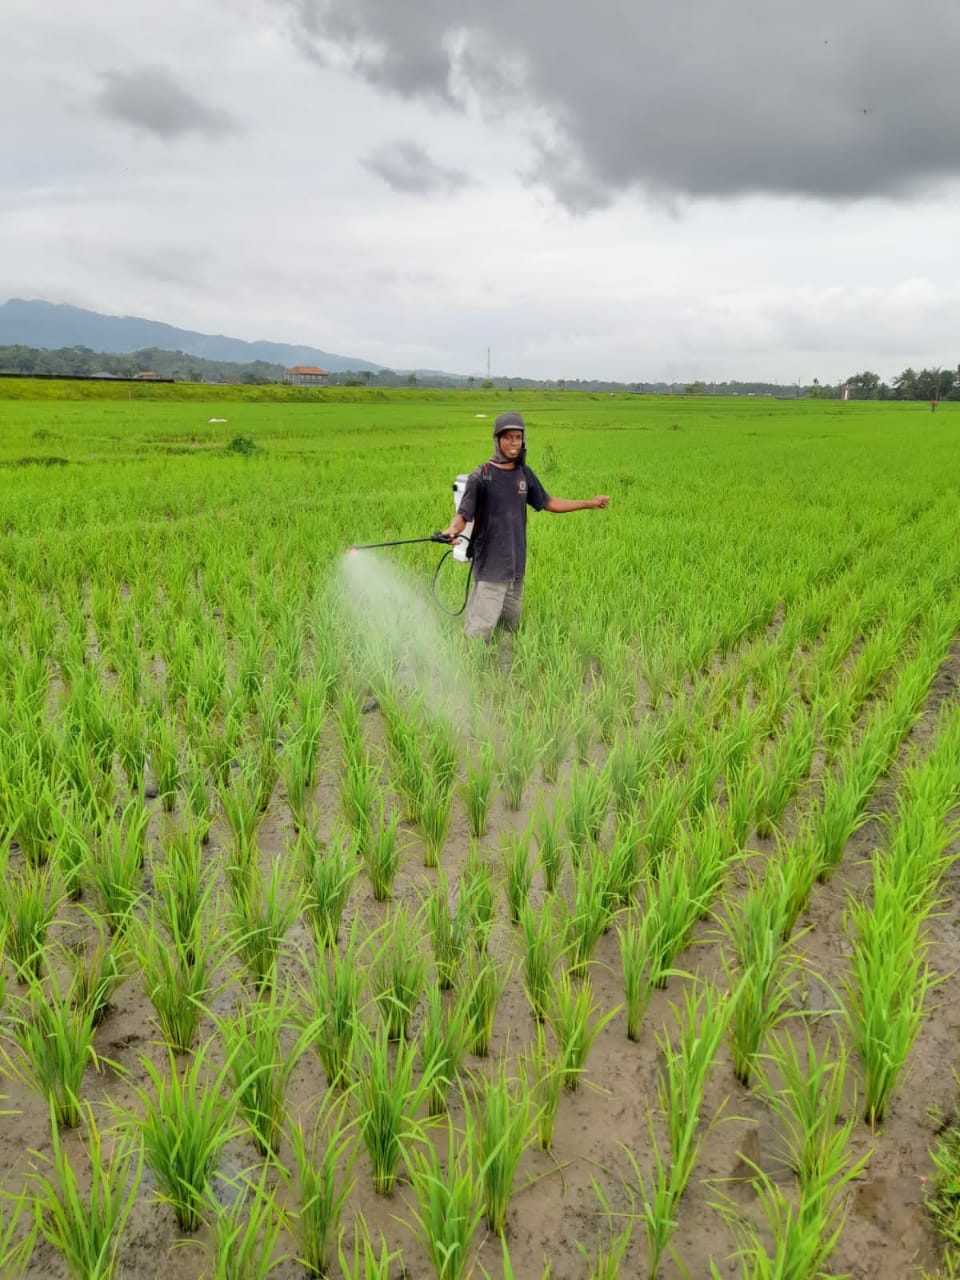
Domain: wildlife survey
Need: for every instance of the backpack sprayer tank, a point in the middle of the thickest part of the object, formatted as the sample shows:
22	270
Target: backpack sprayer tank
460	547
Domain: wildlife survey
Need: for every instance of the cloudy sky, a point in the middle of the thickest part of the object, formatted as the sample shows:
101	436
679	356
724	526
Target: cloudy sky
637	189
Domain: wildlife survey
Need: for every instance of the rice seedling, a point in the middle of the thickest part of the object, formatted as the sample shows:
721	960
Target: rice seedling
541	953
485	984
585	812
387	1098
261	1063
382	853
398	970
887	991
589	918
806	1091
704	846
444	1040
84	1217
941	1197
365	1263
16	1246
804	1235
246	1236
334	996
261	916
165	759
502	1133
757	931
72	850
702	1024
177	971
544	1075
606	1259
658	1200
447	934
327	874
519	872
476	900
239	800
96	972
477	788
116	873
664	800
674	910
554	743
446	1210
623	866
742	784
550	848
790	764
635	953
28	906
185	1119
324	1168
181	882
54	1043
199	804
435	814
518	759
575	1024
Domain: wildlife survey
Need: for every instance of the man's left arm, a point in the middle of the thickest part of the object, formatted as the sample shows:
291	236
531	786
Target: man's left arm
561	505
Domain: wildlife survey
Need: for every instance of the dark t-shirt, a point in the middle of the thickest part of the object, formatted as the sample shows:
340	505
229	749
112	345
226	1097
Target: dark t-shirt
500	543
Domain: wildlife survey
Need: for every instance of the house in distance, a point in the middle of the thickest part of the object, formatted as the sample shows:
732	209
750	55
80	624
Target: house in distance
305	375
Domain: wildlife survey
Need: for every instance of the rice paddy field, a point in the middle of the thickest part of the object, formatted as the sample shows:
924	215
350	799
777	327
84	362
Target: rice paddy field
333	944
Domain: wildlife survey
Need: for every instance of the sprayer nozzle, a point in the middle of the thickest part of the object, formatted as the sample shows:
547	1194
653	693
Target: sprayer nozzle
352	551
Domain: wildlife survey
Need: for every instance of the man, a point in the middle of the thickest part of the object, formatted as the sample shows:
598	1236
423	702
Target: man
496	499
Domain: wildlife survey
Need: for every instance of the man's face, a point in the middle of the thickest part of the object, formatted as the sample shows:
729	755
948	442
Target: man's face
511	442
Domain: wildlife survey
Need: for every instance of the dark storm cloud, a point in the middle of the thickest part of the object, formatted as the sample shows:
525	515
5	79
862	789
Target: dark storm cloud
406	167
680	97
150	98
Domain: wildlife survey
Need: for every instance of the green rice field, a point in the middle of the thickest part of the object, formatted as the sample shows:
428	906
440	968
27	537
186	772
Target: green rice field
333	944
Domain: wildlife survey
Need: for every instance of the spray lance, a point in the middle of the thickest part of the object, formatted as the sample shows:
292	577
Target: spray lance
460	550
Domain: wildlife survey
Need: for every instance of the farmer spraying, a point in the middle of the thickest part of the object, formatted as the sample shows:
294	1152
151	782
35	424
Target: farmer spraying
495	501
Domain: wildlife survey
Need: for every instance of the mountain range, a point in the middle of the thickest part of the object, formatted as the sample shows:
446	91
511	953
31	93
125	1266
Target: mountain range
52	325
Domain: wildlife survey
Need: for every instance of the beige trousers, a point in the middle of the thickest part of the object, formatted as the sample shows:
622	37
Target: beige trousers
490	603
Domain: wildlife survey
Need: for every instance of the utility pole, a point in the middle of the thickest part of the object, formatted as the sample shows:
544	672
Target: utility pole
488	364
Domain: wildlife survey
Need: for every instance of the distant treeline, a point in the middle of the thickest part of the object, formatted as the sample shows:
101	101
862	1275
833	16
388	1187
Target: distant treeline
925	384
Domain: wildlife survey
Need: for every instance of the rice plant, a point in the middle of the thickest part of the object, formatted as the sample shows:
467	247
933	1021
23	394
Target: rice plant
550	847
334	999
364	1262
589	917
382	852
53	1040
165	758
177	972
324	1170
519	872
606	1260
116	871
675	910
261	916
185	1119
84	1216
446	1206
16	1246
517	761
447	934
358	797
327	874
476	900
544	1075
485	983
503	1129
542	949
28	906
96	972
444	1041
398	974
575	1021
887	991
387	1097
806	1092
586	810
477	789
261	1063
181	882
435	814
246	1235
636	948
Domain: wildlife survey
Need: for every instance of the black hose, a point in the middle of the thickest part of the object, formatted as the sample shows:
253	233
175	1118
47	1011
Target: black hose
453	613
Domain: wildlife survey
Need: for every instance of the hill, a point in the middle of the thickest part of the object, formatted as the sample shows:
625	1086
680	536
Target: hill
33	323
